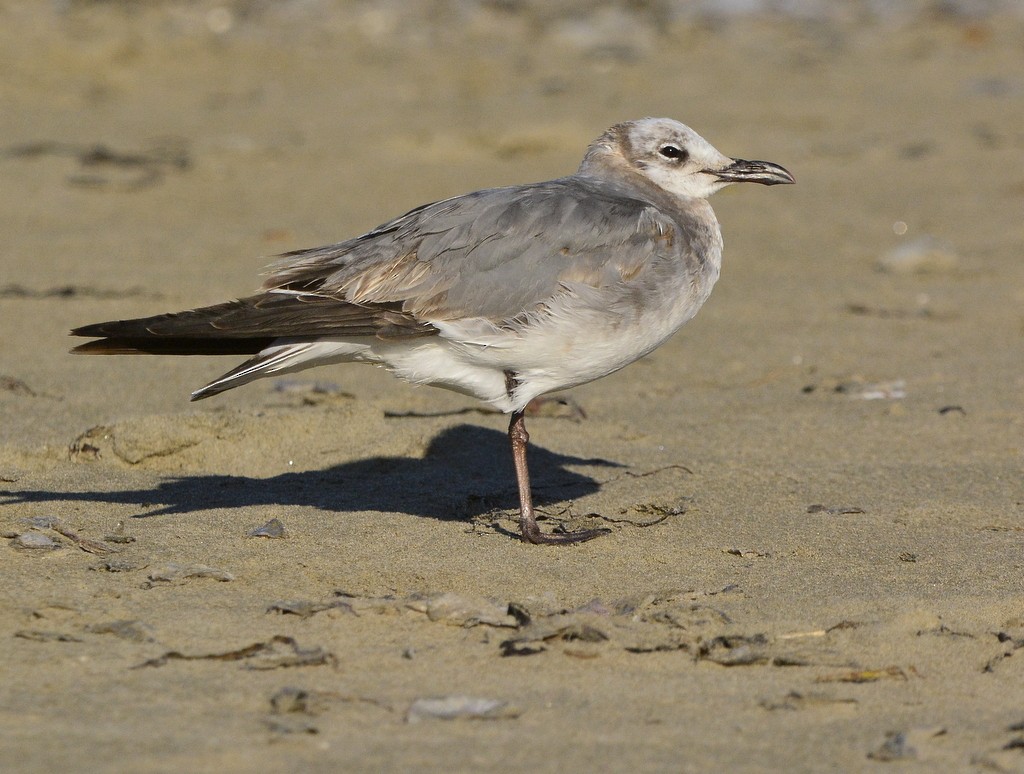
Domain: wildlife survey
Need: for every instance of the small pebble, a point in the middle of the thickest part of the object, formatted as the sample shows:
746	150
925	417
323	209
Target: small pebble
456	707
467	611
912	744
894	389
34	541
300	700
894	748
43	522
272	529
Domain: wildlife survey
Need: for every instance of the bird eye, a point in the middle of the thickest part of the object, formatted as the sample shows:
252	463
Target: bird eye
674	153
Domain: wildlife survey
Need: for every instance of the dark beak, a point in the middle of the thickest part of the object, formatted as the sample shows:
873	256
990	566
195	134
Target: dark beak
763	172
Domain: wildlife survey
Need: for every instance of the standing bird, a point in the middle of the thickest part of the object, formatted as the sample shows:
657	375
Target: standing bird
504	294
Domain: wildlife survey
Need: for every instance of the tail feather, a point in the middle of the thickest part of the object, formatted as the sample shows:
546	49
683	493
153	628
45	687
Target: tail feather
282	358
129	345
283	331
264	317
272	360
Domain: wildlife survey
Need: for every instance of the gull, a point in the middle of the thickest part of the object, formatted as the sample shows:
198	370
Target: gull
504	294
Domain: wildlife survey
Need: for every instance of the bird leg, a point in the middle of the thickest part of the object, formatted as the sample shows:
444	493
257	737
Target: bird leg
527	518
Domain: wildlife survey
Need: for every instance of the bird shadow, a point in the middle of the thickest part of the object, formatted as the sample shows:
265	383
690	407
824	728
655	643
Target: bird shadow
465	472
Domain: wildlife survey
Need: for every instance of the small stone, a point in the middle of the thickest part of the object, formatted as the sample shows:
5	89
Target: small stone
43	522
894	748
34	541
272	529
301	701
459	707
460	610
893	389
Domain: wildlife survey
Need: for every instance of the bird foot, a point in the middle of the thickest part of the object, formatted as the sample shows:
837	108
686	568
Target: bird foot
531	533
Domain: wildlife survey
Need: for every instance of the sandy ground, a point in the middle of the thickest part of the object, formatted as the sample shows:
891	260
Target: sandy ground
814	489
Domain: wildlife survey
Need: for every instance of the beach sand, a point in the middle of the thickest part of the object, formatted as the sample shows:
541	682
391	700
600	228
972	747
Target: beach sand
814	489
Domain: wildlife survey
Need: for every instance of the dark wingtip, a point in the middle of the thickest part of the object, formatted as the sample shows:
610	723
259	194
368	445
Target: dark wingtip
94	330
104	347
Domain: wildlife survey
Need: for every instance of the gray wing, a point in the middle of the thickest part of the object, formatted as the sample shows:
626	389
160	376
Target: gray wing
495	253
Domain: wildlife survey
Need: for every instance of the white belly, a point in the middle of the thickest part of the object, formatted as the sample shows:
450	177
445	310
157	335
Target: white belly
583	335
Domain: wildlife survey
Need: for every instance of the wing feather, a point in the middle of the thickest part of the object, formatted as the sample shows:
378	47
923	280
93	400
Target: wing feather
249	324
493	254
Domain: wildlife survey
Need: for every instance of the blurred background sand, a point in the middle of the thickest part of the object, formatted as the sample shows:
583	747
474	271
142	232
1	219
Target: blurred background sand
828	457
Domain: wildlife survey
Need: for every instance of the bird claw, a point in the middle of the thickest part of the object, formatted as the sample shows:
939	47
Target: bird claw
531	533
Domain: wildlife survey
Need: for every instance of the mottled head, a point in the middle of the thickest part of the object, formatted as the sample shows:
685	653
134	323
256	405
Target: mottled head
674	158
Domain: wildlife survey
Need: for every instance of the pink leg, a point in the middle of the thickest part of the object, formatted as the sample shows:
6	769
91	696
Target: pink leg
527	519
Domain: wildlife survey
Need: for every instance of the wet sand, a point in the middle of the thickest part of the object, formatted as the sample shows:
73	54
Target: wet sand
814	489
